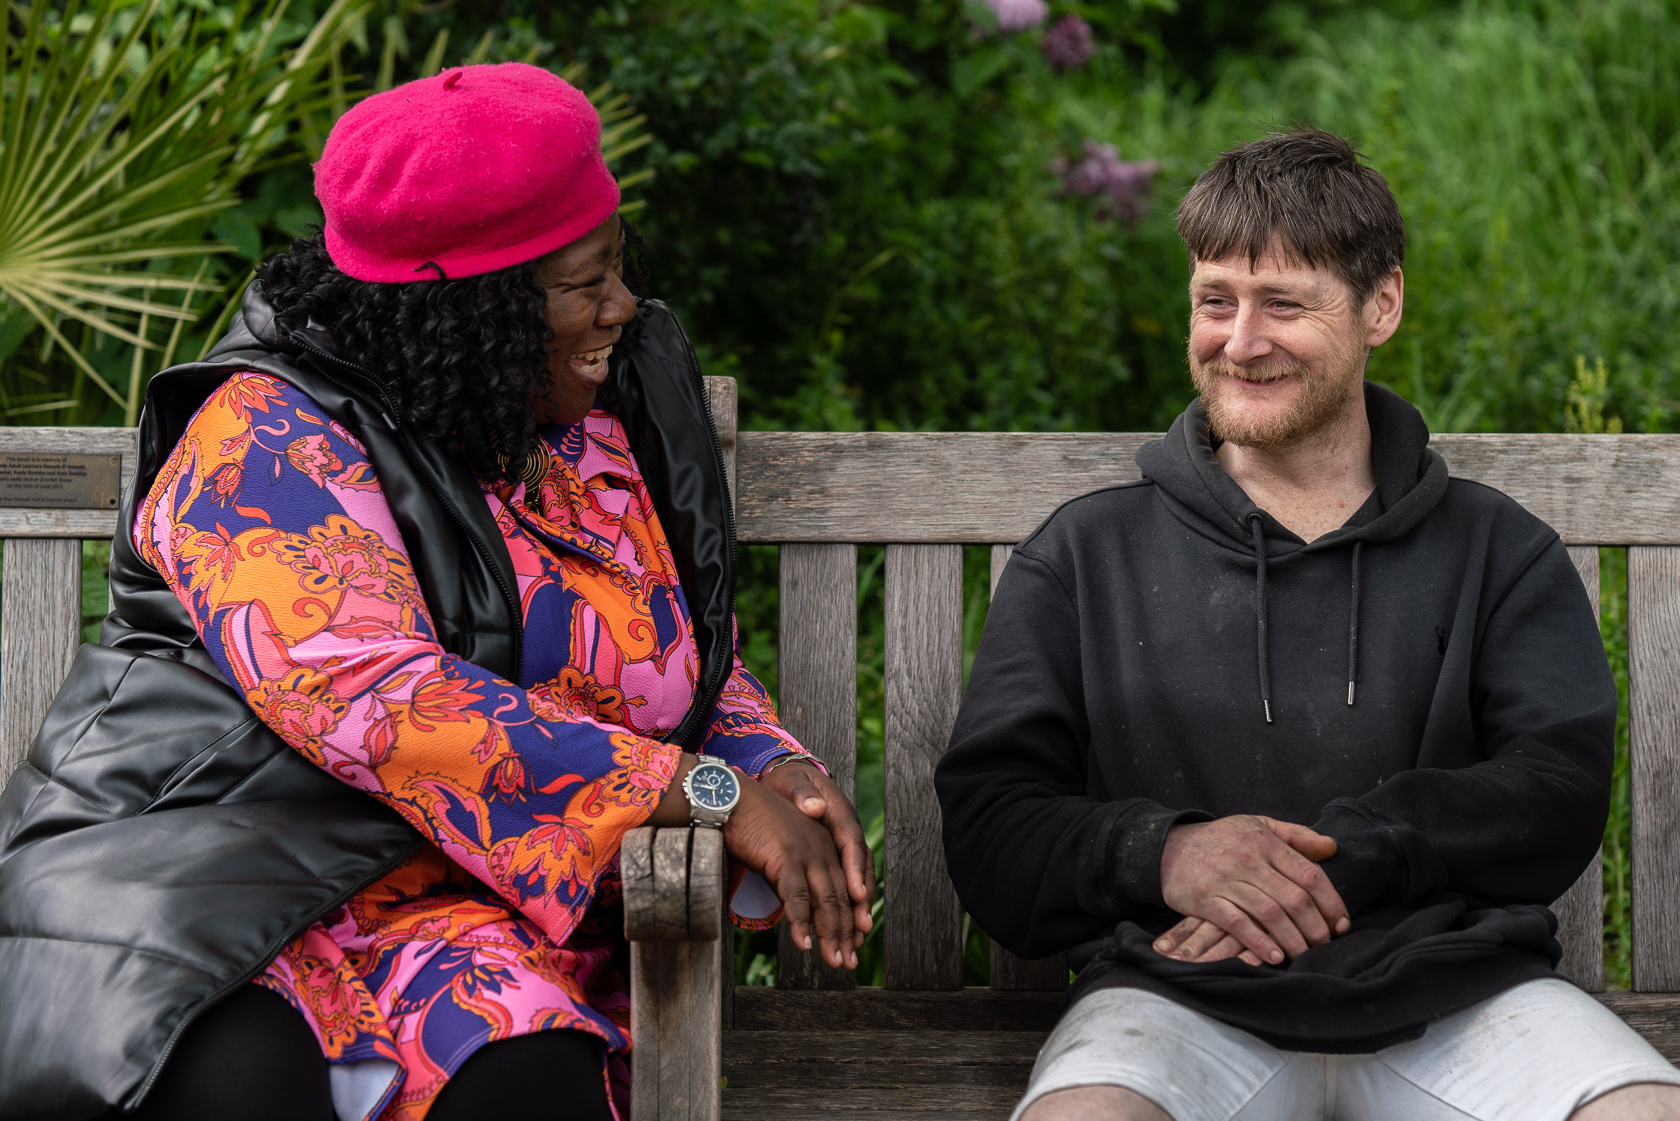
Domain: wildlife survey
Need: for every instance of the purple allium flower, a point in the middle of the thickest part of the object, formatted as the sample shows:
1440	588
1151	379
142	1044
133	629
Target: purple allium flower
1018	15
1068	44
1122	184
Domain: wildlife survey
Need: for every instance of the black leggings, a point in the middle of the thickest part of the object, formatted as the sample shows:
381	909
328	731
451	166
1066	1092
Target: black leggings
253	1058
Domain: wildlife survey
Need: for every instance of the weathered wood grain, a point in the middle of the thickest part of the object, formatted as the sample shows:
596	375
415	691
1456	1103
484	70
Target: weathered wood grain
1031	974
862	1050
707	873
677	1060
843	1074
909	1103
721	394
1654	759
758	1008
817	667
1580	911
902	1070
635	873
923	924
40	628
817	676
24	522
967	487
670	883
1656	1016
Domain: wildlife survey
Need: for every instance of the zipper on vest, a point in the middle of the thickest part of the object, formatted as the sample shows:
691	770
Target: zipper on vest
508	598
702	707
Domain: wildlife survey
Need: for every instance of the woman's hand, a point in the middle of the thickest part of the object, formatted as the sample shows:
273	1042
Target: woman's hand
793	852
798	859
818	797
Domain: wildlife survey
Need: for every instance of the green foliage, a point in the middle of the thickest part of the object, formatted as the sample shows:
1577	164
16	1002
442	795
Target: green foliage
852	207
1535	153
125	129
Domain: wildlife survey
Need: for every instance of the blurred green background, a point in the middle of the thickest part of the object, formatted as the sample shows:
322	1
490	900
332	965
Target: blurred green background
915	214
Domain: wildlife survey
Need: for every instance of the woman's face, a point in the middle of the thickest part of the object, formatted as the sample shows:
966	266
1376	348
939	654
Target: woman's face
588	307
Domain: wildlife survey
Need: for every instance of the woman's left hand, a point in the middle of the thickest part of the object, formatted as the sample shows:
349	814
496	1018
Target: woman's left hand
818	797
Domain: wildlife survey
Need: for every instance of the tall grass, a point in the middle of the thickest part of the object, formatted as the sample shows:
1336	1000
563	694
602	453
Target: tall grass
1535	152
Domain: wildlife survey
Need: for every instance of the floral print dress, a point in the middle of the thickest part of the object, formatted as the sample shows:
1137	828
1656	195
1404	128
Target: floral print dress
270	526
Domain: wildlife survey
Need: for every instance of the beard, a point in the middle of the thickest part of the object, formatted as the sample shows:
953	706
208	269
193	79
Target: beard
1324	393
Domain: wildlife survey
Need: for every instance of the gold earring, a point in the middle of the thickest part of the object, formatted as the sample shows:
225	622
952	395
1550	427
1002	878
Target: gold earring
534	469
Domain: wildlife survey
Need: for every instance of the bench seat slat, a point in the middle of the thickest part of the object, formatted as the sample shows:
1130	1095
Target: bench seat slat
817	686
923	925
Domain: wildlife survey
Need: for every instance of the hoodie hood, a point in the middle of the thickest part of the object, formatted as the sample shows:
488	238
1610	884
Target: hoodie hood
1411	480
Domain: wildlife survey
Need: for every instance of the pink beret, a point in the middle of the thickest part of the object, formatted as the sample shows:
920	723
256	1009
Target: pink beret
474	170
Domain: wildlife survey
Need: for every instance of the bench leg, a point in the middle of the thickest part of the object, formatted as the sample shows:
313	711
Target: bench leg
673	917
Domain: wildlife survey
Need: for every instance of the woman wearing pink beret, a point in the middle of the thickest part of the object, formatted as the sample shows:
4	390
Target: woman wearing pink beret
426	598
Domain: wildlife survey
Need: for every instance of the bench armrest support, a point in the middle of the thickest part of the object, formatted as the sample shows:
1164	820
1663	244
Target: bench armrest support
673	919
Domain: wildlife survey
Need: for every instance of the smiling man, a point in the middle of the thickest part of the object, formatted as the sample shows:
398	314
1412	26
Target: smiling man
1290	743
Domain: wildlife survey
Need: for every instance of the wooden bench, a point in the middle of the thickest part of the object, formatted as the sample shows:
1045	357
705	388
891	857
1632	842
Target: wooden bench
816	1045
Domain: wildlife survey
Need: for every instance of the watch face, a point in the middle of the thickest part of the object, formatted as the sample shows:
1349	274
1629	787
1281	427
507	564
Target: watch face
714	786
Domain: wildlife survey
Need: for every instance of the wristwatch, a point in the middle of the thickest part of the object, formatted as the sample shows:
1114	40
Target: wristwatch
713	790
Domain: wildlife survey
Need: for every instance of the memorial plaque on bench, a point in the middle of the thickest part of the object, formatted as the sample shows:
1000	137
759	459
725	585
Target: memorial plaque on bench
60	480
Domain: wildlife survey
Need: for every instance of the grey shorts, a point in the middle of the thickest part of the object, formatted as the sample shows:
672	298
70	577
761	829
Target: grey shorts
1536	1052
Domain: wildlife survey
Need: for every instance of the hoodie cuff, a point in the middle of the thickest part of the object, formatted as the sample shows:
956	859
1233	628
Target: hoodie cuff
1126	857
1380	861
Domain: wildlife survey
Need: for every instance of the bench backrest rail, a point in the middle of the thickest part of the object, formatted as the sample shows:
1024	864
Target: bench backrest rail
926	495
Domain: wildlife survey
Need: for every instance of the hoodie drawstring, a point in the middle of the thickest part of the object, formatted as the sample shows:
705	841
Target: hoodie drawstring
1256	523
1353	625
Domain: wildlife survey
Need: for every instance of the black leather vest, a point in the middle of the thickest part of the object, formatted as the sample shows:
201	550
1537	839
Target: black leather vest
160	844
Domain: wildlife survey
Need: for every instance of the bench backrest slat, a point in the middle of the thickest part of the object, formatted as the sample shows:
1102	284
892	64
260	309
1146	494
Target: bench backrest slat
923	592
40	628
1654	757
1580	911
817	696
976	488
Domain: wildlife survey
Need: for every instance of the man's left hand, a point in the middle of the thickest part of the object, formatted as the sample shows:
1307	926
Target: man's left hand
1198	942
818	797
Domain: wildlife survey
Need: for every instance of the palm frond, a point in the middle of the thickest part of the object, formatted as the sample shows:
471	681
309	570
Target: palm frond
120	141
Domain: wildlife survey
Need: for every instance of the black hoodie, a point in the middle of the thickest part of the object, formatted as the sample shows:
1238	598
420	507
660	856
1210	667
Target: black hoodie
1426	685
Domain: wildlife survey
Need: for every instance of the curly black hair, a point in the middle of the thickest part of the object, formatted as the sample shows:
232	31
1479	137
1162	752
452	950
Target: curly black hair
463	358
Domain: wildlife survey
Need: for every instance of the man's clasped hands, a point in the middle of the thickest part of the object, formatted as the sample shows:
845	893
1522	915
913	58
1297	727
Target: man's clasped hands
1251	888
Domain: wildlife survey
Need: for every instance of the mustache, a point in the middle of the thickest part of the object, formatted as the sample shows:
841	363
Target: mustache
1269	370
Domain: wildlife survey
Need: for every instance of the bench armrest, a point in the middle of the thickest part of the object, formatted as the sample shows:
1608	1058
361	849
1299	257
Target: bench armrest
673	884
673	918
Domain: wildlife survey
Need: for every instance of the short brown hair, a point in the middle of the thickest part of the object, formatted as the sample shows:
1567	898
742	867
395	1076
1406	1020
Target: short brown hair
1306	188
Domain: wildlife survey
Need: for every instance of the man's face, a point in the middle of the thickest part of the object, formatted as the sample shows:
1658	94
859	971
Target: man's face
1278	351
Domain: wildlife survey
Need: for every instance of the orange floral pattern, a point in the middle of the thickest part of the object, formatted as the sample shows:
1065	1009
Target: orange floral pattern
269	524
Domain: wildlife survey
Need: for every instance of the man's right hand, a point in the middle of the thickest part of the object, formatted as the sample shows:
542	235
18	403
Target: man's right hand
1257	880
